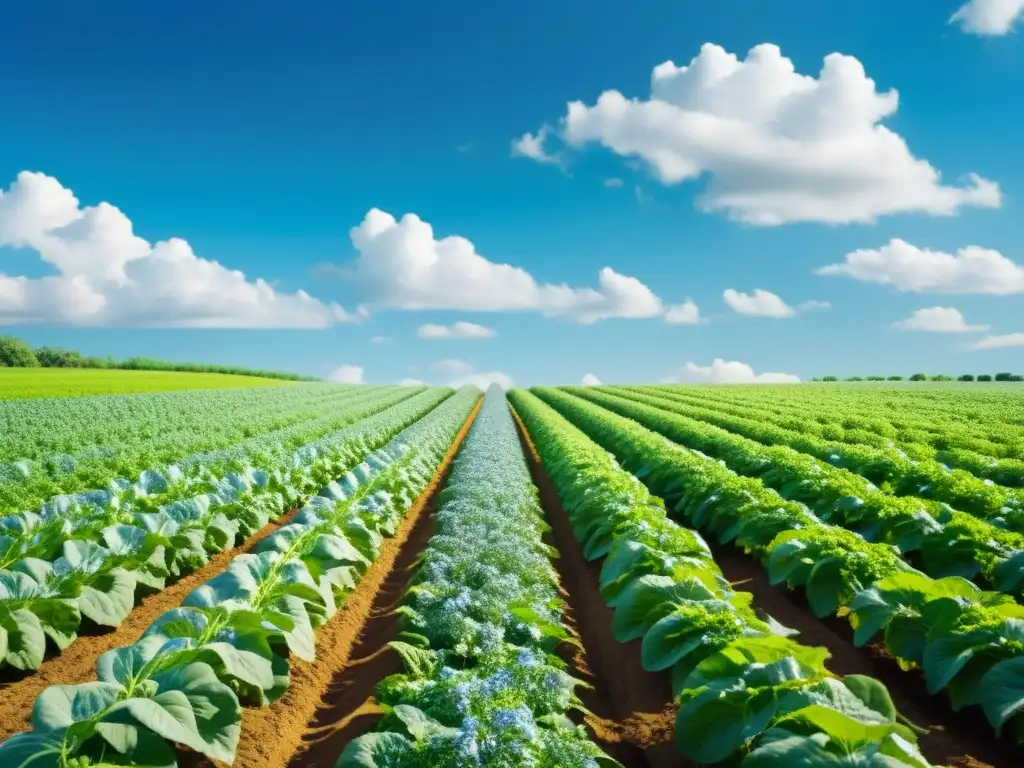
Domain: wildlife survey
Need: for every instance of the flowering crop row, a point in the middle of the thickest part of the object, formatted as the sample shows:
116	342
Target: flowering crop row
827	423
748	692
944	541
968	642
481	686
926	479
50	447
186	679
90	561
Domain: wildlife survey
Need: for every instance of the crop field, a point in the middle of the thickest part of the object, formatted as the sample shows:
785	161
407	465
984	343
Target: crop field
77	382
792	576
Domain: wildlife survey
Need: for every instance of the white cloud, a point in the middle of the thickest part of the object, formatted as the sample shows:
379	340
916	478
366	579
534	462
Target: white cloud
347	374
451	367
590	380
463	374
532	146
107	275
999	342
778	146
402	266
686	313
411	383
613	183
909	268
457	330
813	304
938	320
760	303
731	372
482	380
380	340
989	17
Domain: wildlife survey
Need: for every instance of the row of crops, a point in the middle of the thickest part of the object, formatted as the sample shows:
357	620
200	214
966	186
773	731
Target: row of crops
890	523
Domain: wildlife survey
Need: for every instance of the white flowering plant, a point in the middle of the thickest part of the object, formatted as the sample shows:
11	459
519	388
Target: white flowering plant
480	625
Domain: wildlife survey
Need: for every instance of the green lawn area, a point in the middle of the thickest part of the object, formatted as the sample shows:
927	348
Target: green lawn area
20	383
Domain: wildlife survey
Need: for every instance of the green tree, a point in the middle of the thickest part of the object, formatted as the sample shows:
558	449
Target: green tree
1004	377
966	377
895	378
15	353
919	377
985	377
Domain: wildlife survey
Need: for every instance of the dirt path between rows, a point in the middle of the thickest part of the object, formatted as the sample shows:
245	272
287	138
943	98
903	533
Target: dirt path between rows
964	739
632	711
330	700
77	664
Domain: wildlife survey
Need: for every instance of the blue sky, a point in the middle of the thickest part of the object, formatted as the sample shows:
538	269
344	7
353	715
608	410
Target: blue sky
261	133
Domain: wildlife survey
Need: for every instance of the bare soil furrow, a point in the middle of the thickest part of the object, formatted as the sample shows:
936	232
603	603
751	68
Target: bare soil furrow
330	700
632	710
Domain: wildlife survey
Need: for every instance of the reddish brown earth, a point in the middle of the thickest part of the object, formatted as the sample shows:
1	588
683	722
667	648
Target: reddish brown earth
633	712
77	664
963	739
330	700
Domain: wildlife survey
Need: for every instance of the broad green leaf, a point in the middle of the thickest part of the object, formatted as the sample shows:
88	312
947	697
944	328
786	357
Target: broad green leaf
1002	691
367	750
60	706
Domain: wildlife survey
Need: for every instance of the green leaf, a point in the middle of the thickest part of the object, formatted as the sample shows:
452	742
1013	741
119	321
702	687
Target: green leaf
1003	691
824	586
31	750
946	656
60	706
365	751
873	693
23	639
714	724
109	598
419	662
419	724
668	641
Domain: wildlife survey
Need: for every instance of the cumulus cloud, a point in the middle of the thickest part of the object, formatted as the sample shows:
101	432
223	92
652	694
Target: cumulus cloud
403	266
461	374
760	303
590	380
457	330
613	183
999	342
380	340
532	146
107	275
347	374
989	17
777	146
729	372
919	270
938	320
686	313
482	380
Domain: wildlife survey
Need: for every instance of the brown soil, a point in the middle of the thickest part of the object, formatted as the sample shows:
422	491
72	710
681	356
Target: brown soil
632	711
77	664
329	700
964	739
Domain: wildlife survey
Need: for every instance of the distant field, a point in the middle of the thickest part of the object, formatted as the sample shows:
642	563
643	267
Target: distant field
20	383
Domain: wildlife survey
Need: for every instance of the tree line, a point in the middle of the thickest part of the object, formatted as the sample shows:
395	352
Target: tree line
926	377
16	353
